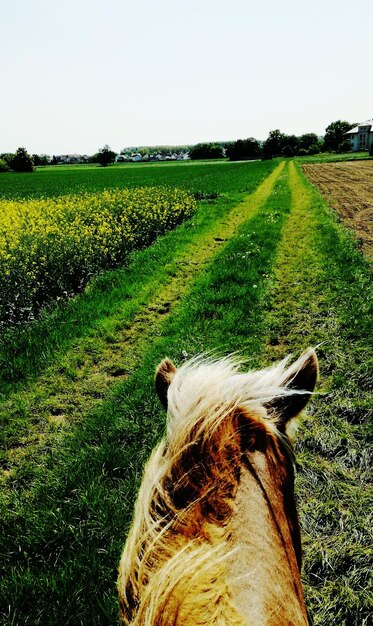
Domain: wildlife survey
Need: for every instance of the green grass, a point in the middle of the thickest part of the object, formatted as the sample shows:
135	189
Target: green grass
290	277
202	178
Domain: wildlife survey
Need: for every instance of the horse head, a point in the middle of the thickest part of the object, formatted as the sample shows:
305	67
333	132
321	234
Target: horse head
215	536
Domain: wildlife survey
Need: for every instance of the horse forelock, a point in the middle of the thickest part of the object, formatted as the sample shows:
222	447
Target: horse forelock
205	390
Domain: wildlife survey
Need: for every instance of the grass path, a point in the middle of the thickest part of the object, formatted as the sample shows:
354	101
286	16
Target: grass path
294	310
63	395
322	294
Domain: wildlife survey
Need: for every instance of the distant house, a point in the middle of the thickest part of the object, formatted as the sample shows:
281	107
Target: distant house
361	136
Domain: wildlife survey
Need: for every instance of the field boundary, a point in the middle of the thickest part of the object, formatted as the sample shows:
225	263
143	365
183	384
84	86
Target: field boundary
347	189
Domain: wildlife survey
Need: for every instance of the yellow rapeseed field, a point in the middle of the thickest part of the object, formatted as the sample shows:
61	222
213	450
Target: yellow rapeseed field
50	246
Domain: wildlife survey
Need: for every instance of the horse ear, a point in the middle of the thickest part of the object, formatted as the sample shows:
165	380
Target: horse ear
301	376
164	374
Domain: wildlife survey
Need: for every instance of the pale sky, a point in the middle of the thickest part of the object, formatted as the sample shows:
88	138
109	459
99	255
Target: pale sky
77	74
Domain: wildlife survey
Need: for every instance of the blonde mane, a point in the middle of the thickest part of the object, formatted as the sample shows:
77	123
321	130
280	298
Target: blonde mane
173	569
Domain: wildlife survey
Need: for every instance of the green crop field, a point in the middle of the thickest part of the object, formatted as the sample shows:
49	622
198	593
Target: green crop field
200	177
262	267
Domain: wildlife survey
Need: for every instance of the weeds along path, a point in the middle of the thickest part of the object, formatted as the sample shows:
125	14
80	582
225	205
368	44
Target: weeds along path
322	294
62	396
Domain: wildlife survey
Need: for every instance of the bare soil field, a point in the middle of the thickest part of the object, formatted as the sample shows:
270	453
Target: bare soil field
348	188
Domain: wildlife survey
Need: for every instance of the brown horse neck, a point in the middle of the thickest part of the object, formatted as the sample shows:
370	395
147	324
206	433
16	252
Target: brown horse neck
264	571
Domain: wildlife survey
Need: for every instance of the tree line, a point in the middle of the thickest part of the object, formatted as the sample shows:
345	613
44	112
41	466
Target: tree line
277	144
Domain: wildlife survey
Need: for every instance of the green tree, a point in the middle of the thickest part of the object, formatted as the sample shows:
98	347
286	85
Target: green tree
290	145
207	151
274	144
143	151
287	151
40	159
335	135
4	167
106	156
22	161
243	149
7	157
307	141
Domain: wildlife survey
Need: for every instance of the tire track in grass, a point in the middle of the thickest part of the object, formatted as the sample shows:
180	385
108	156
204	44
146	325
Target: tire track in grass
322	293
296	297
49	418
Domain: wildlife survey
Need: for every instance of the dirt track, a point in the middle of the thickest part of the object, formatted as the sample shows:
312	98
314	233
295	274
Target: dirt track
348	188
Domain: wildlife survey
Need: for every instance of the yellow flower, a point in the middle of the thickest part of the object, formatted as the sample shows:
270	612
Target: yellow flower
48	245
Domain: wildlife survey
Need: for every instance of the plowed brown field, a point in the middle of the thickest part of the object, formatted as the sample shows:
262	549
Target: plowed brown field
348	188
